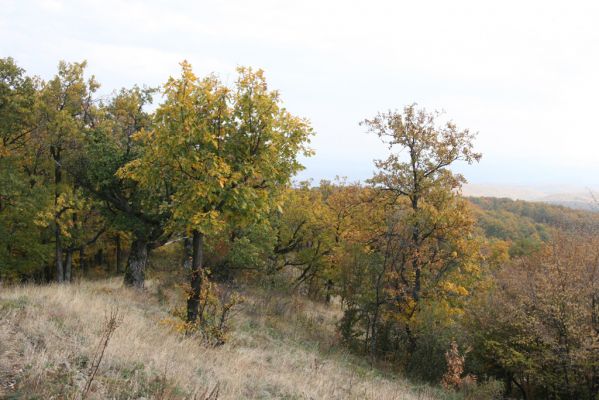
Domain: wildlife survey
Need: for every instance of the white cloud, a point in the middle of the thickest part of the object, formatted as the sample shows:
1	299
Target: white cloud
52	5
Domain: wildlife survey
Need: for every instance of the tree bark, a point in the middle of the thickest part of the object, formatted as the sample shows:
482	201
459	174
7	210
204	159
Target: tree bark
374	332
82	261
193	300
187	254
119	254
99	257
136	263
68	266
58	254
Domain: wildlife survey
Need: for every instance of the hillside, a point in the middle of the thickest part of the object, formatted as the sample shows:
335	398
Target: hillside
577	197
280	348
555	215
133	225
505	218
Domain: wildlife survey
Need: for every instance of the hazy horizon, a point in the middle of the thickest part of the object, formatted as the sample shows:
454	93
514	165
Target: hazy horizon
525	80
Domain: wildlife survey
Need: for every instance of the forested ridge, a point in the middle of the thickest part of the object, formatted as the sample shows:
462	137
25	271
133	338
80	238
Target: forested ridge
191	185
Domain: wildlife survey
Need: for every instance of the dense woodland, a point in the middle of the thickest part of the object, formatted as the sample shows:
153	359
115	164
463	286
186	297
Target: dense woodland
465	292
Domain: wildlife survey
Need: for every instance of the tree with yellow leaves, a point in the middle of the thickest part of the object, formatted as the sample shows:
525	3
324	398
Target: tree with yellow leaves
66	112
226	151
423	256
537	328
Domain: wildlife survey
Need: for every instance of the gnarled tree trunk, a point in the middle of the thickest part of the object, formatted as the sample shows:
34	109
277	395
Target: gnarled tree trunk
136	263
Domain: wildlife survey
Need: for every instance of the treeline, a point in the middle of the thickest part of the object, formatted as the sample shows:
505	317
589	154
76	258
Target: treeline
543	214
429	284
527	316
525	226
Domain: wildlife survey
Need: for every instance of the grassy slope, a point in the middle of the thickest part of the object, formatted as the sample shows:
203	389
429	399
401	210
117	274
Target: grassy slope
281	347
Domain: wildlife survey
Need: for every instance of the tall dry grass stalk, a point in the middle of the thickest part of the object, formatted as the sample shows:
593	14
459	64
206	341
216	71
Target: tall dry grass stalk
112	320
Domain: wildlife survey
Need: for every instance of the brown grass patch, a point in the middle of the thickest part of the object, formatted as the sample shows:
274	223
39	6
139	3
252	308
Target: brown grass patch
280	348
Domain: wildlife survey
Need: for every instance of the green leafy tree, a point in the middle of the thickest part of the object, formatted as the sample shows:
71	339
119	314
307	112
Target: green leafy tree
304	237
226	151
127	206
22	193
66	113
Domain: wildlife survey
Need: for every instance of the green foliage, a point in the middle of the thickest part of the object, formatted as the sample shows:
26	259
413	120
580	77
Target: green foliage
243	252
23	248
226	151
527	225
17	100
541	213
108	148
412	268
224	155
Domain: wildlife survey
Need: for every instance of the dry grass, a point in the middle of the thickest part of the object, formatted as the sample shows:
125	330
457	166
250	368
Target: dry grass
280	348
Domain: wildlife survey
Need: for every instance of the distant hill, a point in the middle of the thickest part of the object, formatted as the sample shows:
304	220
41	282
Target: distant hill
569	196
526	224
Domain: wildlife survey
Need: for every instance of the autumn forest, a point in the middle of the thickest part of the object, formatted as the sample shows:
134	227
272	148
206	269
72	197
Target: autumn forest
186	194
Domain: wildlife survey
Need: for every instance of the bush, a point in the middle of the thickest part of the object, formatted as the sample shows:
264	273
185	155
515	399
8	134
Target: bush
487	390
217	303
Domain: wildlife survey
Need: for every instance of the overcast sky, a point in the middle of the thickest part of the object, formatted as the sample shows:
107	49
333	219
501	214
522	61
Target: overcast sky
524	74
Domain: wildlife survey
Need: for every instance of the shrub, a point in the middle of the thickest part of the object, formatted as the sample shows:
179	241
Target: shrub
217	304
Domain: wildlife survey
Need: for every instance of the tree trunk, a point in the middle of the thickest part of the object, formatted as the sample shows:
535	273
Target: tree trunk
329	291
412	342
374	333
187	254
119	255
193	300
82	261
136	263
58	254
68	266
99	258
